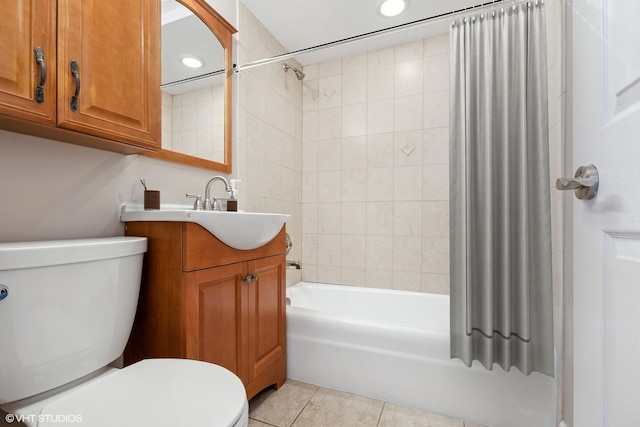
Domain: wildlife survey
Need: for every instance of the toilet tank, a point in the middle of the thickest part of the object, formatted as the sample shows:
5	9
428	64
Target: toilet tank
67	309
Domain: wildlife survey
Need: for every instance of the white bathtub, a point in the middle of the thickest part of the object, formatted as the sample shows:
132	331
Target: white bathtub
394	346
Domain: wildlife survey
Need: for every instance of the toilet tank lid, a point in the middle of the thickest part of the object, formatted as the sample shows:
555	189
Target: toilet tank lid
19	255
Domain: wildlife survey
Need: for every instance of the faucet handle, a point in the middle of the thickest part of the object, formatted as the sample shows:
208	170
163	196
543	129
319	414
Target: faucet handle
198	205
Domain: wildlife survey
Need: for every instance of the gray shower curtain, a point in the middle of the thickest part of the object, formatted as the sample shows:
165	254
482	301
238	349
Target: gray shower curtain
501	286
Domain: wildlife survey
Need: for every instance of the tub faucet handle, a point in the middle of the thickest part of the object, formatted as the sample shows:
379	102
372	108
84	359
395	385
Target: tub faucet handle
293	265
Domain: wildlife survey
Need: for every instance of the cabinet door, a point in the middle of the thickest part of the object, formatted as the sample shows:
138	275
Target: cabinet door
116	45
267	330
24	26
213	315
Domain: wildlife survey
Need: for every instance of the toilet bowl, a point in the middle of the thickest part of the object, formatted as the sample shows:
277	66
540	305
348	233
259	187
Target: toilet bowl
67	308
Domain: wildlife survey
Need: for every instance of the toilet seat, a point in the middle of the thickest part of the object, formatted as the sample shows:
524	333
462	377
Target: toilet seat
155	392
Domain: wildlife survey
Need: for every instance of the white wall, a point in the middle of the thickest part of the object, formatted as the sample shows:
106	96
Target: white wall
54	190
557	96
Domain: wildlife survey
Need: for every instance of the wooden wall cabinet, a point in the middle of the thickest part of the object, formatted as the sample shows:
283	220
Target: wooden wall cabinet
116	45
201	299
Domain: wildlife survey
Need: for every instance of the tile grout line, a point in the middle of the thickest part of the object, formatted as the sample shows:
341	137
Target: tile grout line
304	407
263	422
384	404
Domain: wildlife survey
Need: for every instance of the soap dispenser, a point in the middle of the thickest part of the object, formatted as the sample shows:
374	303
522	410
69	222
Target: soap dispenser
232	203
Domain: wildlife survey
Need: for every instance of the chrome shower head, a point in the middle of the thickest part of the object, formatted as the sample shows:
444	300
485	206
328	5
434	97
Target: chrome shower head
299	74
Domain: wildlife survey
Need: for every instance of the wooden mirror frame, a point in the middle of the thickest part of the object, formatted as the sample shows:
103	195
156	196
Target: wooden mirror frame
224	32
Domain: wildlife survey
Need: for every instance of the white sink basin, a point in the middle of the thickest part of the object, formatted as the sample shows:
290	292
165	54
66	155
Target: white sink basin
240	230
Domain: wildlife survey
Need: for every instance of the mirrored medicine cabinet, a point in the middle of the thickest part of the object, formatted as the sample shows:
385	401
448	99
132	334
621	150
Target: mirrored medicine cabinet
196	86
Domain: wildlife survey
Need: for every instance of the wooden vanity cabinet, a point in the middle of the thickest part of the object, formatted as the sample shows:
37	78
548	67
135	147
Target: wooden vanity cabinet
116	45
201	299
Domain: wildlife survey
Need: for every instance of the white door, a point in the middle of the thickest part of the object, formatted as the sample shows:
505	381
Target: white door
606	288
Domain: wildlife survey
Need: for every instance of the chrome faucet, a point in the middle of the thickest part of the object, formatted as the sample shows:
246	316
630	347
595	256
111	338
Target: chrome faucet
210	205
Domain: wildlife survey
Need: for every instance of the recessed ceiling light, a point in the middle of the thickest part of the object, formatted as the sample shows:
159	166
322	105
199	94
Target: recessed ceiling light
192	61
391	8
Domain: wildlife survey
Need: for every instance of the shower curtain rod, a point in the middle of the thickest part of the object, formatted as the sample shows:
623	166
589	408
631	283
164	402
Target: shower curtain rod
237	68
192	79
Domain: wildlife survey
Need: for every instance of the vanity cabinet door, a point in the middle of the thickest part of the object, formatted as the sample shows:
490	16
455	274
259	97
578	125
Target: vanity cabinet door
214	316
235	317
116	46
266	324
24	26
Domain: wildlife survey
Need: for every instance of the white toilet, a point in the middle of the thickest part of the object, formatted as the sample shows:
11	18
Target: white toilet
66	310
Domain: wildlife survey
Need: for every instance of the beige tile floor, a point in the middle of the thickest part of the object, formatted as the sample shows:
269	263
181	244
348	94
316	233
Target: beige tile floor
298	404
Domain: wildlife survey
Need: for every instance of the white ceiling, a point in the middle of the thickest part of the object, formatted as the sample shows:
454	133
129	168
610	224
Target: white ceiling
300	24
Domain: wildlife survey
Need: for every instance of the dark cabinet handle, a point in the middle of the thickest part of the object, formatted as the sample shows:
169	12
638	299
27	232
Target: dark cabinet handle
75	70
39	92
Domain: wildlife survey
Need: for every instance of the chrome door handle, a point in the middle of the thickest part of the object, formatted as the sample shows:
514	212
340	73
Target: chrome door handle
584	183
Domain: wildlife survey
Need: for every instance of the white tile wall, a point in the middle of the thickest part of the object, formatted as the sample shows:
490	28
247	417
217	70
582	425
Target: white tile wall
269	135
375	174
187	126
